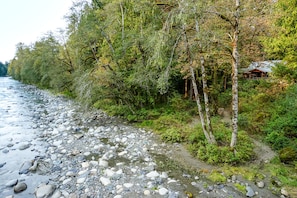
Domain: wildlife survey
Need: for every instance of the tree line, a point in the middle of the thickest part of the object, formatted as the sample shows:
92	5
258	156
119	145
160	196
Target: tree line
138	53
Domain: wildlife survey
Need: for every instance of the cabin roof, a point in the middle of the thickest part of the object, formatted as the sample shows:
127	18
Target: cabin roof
261	66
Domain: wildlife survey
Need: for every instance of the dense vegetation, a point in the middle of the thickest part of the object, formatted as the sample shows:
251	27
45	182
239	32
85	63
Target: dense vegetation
144	60
3	68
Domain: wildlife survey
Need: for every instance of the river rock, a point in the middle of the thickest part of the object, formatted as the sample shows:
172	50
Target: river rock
105	181
25	167
163	191
11	183
250	192
152	174
5	151
260	184
284	192
44	191
20	187
24	146
2	164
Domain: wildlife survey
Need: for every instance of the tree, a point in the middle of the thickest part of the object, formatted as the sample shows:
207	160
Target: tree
282	44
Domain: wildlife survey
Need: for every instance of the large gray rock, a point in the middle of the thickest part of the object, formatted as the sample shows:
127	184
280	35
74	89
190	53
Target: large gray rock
45	191
250	192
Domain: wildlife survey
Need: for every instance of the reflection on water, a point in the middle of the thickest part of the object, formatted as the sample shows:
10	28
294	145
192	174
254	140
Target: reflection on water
16	129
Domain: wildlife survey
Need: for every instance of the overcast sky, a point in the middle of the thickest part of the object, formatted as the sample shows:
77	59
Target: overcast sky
27	20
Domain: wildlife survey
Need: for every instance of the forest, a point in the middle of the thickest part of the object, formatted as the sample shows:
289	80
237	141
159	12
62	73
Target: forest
171	65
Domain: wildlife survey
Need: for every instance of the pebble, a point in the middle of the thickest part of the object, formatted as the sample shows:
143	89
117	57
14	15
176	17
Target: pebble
128	185
24	146
284	192
20	187
81	180
163	191
152	174
260	184
105	181
146	192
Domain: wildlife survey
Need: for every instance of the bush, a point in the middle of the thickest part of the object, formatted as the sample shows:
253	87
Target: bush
214	154
287	155
172	135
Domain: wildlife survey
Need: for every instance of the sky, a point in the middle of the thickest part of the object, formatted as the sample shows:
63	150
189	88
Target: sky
27	21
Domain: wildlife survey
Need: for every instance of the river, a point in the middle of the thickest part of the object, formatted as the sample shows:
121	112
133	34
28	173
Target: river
56	148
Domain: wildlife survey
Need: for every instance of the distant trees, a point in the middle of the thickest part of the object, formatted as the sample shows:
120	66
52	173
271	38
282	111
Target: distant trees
3	68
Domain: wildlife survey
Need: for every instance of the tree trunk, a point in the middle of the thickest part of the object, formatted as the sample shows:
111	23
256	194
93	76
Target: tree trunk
197	98
206	101
235	65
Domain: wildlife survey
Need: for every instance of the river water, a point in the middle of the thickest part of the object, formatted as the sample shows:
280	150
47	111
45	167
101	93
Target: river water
16	131
59	149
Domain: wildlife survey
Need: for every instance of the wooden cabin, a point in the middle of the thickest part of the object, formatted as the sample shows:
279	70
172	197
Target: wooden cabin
258	70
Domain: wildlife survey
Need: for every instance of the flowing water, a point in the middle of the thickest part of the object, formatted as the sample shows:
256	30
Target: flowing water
16	131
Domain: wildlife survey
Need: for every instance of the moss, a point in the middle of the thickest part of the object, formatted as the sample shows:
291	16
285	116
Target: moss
240	187
217	177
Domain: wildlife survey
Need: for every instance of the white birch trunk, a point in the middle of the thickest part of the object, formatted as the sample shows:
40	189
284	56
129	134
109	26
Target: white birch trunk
235	65
206	101
200	111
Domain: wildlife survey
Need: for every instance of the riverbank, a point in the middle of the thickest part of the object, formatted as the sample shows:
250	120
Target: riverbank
77	152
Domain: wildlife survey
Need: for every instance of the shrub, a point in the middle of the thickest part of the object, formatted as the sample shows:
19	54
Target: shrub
172	135
215	154
287	155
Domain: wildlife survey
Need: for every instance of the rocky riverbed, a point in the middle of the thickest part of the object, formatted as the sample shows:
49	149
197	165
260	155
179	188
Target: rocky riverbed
52	147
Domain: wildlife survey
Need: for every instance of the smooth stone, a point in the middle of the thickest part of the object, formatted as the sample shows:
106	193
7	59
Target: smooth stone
11	183
250	192
128	185
24	146
118	196
5	151
109	173
81	180
163	191
284	192
85	164
103	163
20	187
146	192
44	191
66	181
57	194
70	174
10	145
25	167
260	184
152	174
105	181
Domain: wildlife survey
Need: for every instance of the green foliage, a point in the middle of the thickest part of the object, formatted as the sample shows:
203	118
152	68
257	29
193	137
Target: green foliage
288	155
172	135
282	44
222	153
217	177
240	187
